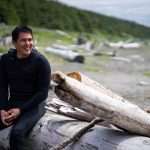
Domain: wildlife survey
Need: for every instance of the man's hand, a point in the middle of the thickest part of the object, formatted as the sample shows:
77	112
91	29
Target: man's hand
4	114
9	116
13	114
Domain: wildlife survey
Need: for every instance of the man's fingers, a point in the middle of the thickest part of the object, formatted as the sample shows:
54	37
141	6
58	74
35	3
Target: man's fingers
6	123
10	119
9	116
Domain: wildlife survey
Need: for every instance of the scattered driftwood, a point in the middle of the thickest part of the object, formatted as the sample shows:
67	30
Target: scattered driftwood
131	45
122	44
143	83
118	111
66	54
5	40
54	129
99	53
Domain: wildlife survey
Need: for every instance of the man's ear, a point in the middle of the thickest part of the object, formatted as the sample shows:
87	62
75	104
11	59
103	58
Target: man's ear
14	43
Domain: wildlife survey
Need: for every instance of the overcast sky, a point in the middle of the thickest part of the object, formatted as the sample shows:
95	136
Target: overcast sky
134	10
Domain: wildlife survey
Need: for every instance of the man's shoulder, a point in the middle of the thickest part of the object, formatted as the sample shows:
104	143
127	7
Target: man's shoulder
41	62
8	54
39	57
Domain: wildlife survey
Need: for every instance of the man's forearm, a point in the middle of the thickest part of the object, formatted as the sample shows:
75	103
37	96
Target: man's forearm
35	100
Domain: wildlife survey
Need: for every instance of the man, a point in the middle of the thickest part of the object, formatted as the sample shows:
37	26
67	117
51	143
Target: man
24	83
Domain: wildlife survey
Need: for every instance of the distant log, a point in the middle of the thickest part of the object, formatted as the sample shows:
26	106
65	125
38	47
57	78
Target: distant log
99	53
53	129
66	54
107	105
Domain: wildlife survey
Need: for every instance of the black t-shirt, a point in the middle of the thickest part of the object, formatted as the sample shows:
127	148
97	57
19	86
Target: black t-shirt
24	82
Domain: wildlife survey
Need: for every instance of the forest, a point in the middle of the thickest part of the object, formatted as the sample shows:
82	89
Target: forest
54	15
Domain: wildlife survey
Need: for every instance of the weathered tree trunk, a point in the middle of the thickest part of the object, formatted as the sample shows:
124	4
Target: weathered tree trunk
53	129
103	103
66	54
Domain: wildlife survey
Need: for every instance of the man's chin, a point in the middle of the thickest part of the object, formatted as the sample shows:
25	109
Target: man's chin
27	53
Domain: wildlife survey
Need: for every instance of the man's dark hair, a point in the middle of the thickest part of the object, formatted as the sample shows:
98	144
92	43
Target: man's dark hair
18	30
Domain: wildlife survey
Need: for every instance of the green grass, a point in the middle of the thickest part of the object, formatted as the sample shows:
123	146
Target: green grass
45	37
2	49
147	74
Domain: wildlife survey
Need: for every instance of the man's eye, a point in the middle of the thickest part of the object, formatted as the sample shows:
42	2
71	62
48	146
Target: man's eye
29	40
25	40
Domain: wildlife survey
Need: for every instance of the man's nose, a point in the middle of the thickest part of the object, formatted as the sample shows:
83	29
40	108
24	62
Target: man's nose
27	42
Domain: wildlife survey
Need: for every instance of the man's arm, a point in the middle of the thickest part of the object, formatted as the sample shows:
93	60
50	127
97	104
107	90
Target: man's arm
42	86
3	85
3	93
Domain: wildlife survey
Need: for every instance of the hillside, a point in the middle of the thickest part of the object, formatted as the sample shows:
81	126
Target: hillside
53	15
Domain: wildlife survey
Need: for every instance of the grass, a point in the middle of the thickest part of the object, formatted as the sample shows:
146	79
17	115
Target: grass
2	49
147	74
54	59
45	37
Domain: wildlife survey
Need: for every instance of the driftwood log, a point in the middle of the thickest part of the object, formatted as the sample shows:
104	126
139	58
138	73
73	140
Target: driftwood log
67	54
53	129
95	99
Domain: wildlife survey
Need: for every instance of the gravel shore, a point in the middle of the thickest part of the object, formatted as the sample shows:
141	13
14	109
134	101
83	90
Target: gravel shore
124	74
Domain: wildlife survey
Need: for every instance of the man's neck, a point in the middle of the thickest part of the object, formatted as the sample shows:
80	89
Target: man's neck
21	56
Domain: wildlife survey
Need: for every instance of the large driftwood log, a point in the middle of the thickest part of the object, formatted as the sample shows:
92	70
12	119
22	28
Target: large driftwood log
53	129
66	54
104	104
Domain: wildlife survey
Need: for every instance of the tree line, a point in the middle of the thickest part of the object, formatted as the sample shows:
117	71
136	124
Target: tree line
54	15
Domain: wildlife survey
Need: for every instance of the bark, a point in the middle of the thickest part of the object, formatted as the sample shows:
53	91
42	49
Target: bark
100	102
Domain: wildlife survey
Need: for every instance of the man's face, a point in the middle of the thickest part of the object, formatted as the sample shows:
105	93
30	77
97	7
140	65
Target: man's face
24	44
